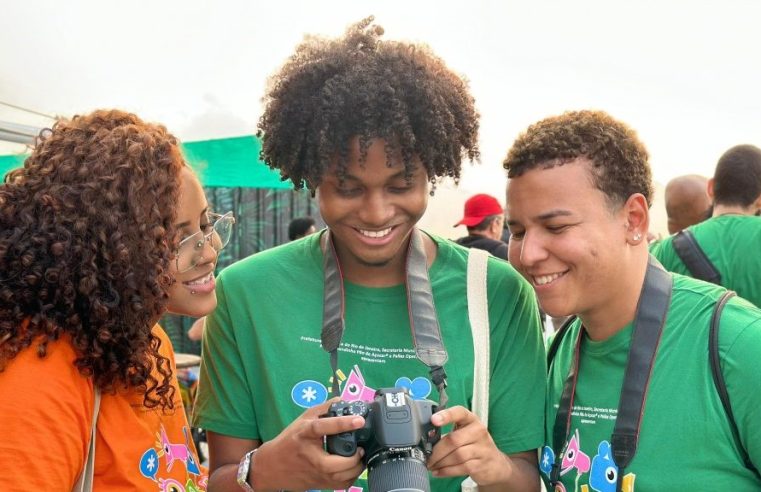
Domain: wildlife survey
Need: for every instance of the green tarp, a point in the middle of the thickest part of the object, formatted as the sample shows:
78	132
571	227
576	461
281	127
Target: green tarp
227	162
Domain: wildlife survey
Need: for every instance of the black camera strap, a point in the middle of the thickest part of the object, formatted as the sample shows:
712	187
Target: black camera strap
424	322
649	320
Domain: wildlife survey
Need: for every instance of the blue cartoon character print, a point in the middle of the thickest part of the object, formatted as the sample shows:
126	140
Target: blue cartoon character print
547	460
419	388
309	393
604	472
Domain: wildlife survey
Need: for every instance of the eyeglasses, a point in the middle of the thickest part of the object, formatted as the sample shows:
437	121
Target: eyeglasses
190	250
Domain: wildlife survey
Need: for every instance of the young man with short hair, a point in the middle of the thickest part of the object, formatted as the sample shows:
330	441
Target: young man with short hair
730	239
632	404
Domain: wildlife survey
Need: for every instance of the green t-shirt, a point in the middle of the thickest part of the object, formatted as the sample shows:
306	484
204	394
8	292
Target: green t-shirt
685	440
263	363
732	243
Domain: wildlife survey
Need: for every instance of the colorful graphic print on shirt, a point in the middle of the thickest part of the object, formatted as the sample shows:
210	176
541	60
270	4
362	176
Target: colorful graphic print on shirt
602	470
150	464
309	393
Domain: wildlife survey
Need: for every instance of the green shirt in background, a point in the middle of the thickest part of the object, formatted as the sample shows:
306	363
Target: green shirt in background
732	243
263	364
685	440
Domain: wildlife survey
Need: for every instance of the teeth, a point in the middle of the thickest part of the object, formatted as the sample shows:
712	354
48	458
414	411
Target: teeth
546	279
201	281
375	234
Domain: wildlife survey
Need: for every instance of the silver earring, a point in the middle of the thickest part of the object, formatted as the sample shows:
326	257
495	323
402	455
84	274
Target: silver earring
637	236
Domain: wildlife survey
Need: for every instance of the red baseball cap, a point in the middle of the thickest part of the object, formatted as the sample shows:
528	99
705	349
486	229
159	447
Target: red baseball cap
478	207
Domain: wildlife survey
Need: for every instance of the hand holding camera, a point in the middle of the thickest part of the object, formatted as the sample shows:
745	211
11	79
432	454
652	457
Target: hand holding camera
397	438
296	459
468	450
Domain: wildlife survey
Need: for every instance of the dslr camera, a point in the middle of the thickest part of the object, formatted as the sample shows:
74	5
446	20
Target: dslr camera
397	438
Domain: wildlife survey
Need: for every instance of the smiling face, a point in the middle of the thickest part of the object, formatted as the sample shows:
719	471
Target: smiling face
570	244
192	293
372	212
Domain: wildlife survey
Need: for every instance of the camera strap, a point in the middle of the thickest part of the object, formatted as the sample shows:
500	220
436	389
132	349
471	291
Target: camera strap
649	320
424	322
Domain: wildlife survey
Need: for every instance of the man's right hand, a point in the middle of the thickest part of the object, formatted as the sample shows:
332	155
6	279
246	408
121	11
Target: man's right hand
296	458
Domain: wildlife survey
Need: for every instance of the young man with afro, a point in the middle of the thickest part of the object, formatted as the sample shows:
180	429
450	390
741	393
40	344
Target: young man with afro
368	125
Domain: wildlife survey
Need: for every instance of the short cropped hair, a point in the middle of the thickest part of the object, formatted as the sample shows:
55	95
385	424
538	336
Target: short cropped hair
737	179
331	90
619	160
299	226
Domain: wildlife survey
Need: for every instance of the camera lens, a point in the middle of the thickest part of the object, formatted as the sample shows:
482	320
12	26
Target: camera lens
398	472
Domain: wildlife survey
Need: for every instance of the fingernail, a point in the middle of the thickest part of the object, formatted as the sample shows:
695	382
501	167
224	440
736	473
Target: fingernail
358	421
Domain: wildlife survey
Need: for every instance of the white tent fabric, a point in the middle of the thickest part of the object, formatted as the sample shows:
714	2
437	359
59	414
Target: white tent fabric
683	73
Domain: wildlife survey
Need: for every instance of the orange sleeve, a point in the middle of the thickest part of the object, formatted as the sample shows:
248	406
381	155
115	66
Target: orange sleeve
46	413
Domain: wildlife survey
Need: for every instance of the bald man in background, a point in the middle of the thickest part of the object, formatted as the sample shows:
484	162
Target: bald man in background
687	202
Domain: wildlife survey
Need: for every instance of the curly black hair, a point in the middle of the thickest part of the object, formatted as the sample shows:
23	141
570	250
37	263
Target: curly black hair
737	179
331	90
619	159
86	235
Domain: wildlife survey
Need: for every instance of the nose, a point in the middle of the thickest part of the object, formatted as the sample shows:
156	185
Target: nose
377	209
208	253
532	249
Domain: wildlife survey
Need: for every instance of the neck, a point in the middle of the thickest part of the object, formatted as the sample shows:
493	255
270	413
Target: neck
386	275
732	210
619	307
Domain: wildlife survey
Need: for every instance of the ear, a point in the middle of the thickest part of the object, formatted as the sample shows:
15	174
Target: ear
756	205
637	215
709	189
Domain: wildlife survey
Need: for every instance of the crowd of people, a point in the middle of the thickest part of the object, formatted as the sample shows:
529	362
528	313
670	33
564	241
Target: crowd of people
651	384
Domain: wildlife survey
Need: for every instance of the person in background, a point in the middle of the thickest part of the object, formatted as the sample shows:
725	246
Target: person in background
687	202
300	227
730	239
579	192
103	230
484	217
367	125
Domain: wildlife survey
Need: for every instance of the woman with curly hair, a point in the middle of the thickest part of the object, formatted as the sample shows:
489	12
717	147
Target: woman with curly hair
368	125
102	231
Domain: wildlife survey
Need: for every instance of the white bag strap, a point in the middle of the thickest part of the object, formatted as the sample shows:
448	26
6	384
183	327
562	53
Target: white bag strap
85	479
478	315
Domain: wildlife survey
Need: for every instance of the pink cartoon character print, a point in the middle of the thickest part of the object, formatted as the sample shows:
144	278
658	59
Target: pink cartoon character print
355	389
178	452
574	457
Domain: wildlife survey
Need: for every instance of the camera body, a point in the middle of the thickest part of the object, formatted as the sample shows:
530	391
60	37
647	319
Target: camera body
397	438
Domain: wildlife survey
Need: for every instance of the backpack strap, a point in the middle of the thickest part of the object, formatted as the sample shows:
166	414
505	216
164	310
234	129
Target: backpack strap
718	377
553	349
694	258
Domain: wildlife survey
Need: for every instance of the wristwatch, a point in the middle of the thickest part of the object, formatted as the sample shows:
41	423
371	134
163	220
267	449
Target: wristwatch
243	467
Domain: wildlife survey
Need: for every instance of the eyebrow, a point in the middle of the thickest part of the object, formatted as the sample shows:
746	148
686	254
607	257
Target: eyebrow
546	216
555	213
187	223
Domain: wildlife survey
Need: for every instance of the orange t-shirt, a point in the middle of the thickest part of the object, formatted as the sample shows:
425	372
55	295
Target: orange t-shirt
46	409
